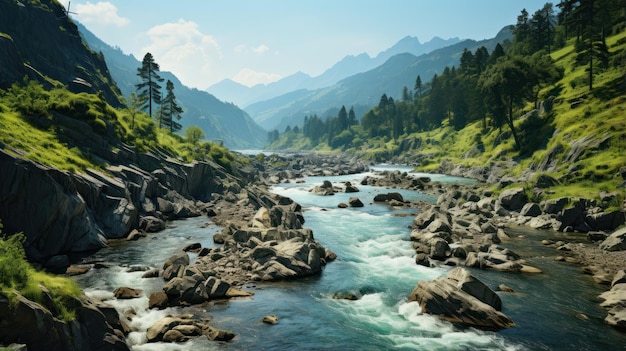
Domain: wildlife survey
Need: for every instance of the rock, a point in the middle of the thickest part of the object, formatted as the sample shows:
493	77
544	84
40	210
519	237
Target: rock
151	273
505	288
554	206
351	188
461	298
617	317
619	278
158	299
355	202
513	199
545	181
124	293
343	205
270	319
135	235
57	264
151	224
216	289
163	325
35	326
77	269
422	260
175	265
531	210
194	247
173	335
615	242
606	221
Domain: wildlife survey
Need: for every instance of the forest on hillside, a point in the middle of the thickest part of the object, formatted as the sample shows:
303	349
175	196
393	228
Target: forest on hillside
493	88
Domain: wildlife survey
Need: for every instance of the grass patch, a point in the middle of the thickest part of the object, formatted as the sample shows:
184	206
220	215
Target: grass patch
16	274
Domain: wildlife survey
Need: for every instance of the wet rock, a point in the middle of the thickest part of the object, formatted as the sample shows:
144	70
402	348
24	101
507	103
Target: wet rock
355	202
125	292
270	319
151	224
158	299
461	298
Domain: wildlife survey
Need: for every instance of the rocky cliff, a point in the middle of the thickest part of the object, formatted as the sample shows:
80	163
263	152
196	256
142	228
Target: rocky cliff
63	213
37	39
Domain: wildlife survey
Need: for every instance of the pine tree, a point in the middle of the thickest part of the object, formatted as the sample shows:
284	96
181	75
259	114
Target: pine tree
171	109
149	89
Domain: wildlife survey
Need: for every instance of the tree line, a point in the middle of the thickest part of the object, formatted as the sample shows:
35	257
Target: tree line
486	86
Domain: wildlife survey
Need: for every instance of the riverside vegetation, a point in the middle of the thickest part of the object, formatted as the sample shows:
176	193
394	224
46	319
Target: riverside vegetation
79	169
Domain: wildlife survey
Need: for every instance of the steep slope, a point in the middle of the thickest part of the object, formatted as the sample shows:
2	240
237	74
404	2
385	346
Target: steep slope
218	119
348	66
365	89
58	57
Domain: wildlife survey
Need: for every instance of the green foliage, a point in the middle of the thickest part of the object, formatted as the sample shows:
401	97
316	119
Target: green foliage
16	274
194	134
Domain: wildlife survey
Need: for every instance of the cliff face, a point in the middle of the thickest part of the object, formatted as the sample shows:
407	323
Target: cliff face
47	43
63	213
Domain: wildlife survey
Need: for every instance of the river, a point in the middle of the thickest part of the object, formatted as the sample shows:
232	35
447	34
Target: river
556	310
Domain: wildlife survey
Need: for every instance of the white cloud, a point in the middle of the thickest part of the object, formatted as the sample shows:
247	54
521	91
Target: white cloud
182	48
261	49
250	77
102	13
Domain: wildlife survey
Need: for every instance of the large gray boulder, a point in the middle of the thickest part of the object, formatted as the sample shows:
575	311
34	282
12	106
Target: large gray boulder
461	298
513	199
616	241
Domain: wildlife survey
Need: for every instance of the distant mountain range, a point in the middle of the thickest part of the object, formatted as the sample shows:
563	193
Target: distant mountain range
363	90
243	96
218	119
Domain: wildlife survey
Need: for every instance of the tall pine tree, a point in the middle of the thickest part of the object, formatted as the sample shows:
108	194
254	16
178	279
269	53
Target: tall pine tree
171	109
149	89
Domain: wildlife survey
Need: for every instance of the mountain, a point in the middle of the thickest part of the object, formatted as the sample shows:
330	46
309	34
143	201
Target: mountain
219	120
363	90
348	66
58	57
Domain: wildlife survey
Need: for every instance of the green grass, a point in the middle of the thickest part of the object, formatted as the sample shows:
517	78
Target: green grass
17	275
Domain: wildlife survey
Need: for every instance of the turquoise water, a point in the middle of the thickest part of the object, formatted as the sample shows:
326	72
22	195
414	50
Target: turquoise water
375	262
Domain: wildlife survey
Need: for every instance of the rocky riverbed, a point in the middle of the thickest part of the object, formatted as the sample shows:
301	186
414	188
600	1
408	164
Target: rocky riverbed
264	237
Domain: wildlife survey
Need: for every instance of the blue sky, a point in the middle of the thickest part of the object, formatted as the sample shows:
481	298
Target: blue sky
259	41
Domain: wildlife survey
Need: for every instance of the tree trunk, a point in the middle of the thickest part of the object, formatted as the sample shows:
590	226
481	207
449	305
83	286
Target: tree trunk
518	146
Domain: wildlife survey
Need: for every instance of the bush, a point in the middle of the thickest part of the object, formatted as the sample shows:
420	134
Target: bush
17	274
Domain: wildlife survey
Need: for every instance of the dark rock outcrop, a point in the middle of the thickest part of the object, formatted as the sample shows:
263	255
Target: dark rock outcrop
62	212
27	322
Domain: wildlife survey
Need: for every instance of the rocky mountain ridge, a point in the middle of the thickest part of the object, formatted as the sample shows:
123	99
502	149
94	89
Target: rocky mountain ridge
60	57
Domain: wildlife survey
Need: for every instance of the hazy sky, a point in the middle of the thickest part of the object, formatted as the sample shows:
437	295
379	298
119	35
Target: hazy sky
259	41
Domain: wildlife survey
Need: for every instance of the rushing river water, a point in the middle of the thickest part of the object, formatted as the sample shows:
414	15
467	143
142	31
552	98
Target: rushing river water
375	262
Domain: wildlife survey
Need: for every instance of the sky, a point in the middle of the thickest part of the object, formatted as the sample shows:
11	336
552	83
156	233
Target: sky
260	41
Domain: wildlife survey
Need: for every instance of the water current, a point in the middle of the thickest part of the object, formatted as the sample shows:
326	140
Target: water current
556	310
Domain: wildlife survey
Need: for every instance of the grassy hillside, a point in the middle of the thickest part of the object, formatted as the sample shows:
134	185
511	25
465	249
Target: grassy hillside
34	123
581	143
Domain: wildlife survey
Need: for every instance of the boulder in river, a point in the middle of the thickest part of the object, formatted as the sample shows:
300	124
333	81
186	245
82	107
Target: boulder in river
461	298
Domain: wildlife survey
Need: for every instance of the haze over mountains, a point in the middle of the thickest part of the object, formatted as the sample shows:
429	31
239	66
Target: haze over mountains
244	96
362	91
